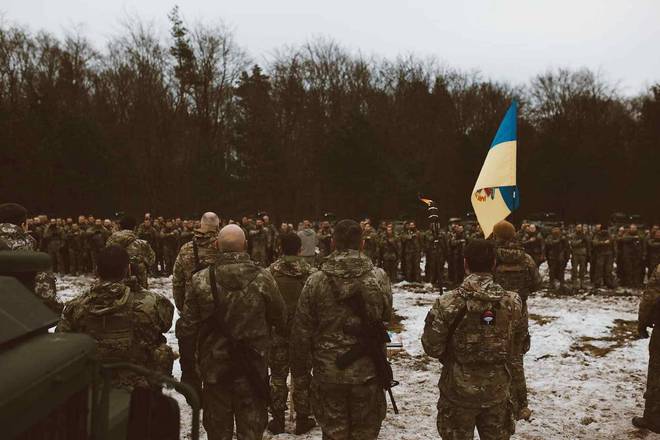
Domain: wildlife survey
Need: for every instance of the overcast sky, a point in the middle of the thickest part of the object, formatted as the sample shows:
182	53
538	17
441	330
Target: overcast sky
504	39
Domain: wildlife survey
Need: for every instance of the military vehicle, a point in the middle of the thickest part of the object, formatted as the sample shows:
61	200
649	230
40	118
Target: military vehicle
53	385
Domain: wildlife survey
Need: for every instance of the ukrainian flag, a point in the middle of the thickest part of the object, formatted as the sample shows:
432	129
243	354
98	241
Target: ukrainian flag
495	195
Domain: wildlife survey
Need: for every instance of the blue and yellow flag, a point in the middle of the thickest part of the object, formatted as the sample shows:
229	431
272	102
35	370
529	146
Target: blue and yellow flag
495	195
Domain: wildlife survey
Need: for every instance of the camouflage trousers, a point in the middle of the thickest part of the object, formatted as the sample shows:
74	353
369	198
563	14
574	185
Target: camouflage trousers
435	268
348	412
578	270
169	256
602	270
556	269
652	395
412	272
458	423
390	267
229	401
278	362
518	380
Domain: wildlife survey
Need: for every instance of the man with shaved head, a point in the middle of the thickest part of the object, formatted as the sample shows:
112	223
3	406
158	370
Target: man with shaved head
229	314
193	256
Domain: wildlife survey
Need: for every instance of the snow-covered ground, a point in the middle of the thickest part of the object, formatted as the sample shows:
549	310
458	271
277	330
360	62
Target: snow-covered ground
585	371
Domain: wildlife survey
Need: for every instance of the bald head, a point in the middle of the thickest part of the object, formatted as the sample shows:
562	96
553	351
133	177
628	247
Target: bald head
231	239
209	222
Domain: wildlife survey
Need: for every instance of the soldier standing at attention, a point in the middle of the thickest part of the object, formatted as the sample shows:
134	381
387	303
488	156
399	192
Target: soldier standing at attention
229	314
290	272
411	247
170	241
258	243
557	252
580	254
473	330
194	256
516	271
649	316
348	403
324	238
457	242
602	258
534	244
390	253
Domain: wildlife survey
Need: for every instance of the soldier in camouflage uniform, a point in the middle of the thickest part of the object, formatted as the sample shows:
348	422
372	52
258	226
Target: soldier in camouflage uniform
141	254
457	242
602	258
129	323
411	250
390	253
516	271
187	233
97	236
194	256
580	255
148	233
632	258
233	303
258	243
557	252
290	273
13	237
74	246
534	244
473	330
169	236
370	240
54	238
324	238
436	255
649	316
348	403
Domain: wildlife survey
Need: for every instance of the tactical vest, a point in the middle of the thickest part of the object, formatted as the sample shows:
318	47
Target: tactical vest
512	276
484	334
114	333
290	288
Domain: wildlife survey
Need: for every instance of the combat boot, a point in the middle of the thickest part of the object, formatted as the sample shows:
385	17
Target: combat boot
642	423
524	414
304	424
276	425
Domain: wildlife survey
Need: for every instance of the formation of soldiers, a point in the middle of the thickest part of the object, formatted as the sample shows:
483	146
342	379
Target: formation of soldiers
311	302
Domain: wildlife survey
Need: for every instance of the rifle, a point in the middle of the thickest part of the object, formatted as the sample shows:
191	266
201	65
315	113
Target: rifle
372	337
241	356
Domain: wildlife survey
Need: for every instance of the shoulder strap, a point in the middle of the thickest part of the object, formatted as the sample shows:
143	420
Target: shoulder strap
196	255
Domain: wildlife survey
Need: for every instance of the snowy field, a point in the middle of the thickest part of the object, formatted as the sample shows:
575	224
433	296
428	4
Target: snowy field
585	371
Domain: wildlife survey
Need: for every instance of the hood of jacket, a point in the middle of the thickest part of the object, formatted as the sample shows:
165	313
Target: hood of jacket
204	238
107	297
343	267
235	270
481	286
292	266
122	238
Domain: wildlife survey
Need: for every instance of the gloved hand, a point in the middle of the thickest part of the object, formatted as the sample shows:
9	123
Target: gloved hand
643	332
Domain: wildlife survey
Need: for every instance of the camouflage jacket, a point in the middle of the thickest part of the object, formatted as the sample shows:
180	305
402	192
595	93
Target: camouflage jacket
411	242
13	238
322	317
324	239
140	252
128	325
580	246
557	248
653	252
252	306
291	273
186	264
649	302
516	270
97	237
534	245
603	243
476	358
389	248
170	238
437	247
370	247
632	247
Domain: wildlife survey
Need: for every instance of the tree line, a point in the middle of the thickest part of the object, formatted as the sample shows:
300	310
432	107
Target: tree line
188	123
